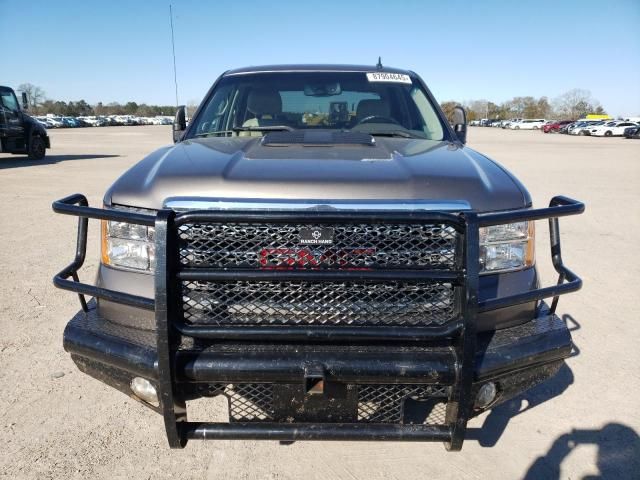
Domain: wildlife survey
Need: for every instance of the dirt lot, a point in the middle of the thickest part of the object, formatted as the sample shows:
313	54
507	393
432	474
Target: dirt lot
58	423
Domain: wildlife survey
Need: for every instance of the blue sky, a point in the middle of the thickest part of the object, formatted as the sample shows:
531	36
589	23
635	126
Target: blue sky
121	50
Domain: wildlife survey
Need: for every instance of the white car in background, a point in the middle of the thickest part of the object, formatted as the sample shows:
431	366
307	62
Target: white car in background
528	124
55	122
584	127
509	122
611	129
44	121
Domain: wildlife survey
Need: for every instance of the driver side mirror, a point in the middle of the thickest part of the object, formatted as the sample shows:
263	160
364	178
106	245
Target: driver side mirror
179	123
460	123
25	101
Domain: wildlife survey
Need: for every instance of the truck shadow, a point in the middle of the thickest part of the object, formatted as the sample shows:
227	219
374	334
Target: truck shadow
19	161
496	422
618	453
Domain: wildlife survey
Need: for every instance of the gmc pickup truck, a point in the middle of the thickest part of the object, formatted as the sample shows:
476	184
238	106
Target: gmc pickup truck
320	250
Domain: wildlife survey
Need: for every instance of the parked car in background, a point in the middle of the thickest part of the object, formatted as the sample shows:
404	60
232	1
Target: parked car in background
632	132
528	124
69	122
554	127
611	129
44	121
566	128
594	125
508	123
56	122
582	127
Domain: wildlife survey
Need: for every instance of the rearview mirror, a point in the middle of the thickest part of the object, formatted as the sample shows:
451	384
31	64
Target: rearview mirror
460	123
25	101
323	89
179	123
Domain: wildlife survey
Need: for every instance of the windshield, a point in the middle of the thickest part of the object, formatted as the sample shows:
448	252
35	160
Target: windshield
374	103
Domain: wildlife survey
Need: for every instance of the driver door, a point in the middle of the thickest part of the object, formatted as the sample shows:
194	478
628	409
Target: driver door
11	124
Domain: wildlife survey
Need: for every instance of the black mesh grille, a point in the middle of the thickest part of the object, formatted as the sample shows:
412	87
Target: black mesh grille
392	303
370	246
250	402
378	403
390	403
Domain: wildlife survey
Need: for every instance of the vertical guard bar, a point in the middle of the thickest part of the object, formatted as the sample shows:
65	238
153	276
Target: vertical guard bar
173	410
556	256
81	252
81	248
461	403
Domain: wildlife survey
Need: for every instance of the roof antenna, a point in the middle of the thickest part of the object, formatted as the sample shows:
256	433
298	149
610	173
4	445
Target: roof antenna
379	65
173	47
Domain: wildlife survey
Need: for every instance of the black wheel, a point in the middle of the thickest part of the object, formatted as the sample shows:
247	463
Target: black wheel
37	148
581	133
517	127
608	133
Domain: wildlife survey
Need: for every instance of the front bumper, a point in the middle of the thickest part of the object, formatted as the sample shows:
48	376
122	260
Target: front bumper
93	340
321	381
514	359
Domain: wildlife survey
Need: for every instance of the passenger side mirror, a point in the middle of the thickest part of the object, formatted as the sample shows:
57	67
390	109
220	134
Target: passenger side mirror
25	101
460	123
179	123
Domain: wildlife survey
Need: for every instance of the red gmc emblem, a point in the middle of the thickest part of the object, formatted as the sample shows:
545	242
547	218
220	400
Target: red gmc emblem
293	258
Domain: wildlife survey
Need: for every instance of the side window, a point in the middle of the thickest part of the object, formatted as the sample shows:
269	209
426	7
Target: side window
9	100
432	126
212	118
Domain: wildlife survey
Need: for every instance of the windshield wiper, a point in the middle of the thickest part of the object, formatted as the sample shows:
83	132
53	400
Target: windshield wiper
394	133
217	133
225	133
265	128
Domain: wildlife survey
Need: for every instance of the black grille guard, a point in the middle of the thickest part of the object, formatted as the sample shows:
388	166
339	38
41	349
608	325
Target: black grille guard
460	332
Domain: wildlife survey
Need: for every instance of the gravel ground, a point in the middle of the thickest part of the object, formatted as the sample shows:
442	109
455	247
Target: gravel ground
57	423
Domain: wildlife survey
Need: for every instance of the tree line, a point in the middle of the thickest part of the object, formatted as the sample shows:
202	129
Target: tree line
40	105
571	105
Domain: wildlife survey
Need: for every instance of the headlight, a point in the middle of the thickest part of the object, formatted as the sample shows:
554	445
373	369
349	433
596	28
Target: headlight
507	247
125	245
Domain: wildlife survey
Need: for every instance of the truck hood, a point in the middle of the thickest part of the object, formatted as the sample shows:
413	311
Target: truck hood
393	169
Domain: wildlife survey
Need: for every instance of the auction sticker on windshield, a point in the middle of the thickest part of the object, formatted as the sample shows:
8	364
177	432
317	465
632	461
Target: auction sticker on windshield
388	77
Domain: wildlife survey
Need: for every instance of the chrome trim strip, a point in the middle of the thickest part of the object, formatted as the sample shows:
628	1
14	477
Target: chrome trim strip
187	204
312	70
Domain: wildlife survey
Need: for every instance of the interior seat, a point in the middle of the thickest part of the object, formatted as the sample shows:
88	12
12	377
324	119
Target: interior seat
266	107
371	107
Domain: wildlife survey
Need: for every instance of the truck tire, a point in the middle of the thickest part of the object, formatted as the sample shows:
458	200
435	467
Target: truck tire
37	148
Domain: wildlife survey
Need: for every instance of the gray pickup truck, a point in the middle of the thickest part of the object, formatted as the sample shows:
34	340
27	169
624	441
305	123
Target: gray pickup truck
320	250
